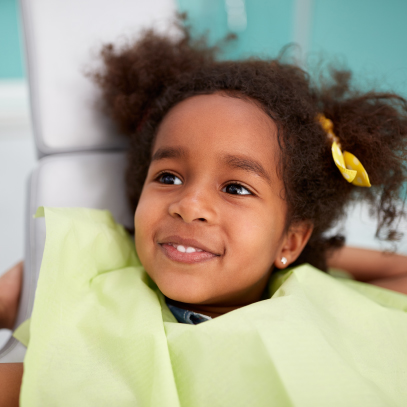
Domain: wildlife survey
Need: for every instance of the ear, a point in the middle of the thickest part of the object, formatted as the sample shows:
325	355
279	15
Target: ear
293	244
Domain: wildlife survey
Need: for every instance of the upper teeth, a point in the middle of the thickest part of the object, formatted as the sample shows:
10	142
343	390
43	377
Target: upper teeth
188	249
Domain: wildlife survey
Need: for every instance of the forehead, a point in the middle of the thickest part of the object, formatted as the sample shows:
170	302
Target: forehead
217	124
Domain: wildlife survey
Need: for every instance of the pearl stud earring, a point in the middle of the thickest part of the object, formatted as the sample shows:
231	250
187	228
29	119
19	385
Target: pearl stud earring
284	260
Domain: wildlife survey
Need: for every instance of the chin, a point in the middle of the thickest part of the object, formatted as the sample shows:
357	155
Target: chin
179	291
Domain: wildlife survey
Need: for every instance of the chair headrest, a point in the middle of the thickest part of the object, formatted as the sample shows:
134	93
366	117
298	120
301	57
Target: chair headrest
62	42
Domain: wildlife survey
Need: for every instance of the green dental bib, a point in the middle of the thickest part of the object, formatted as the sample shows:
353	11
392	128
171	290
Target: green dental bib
102	335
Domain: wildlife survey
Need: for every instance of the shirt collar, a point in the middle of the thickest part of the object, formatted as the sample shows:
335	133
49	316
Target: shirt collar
187	317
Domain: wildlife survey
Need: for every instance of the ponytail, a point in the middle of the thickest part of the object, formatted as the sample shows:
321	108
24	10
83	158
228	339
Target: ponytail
373	127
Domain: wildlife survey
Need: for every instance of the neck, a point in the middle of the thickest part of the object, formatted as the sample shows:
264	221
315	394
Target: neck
209	310
214	310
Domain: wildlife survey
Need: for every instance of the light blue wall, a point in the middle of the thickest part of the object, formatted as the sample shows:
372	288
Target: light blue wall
11	65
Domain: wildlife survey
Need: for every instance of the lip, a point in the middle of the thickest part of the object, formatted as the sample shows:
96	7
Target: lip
188	242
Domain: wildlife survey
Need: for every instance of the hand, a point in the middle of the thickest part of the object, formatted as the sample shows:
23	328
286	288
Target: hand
10	383
10	289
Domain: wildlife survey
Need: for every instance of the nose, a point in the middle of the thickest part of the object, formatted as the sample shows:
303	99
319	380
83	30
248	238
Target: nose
193	204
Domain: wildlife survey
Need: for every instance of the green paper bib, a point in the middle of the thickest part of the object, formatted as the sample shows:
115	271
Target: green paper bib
102	335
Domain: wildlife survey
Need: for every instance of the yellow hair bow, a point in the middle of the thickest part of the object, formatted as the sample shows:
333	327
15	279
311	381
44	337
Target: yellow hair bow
349	166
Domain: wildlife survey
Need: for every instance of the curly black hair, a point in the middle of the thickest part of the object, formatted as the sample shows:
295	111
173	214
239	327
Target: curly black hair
142	81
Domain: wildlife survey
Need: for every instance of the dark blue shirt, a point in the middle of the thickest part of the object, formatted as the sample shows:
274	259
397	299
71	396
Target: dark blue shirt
187	317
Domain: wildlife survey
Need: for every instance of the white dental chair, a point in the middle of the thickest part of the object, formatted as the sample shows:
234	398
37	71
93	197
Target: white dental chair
81	158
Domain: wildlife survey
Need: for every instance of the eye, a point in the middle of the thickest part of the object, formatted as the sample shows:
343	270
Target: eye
169	179
236	189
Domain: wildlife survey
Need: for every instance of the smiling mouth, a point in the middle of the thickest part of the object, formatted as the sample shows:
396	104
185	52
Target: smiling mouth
186	254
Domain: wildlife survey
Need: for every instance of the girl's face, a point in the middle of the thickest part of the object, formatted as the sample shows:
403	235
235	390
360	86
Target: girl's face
210	221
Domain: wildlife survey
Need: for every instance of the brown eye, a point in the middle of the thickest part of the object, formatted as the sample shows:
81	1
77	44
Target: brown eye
169	179
236	189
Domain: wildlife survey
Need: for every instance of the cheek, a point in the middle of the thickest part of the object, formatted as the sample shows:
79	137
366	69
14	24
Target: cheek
144	219
261	233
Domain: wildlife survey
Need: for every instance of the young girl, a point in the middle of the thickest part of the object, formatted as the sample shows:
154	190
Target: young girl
231	176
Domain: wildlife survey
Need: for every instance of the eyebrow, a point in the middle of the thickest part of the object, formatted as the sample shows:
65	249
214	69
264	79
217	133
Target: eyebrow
233	161
246	164
169	152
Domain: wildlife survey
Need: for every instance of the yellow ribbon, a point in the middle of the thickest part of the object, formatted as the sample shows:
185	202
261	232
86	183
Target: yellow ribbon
349	166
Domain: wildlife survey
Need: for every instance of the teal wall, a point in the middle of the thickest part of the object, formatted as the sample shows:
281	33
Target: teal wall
368	36
269	24
11	64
